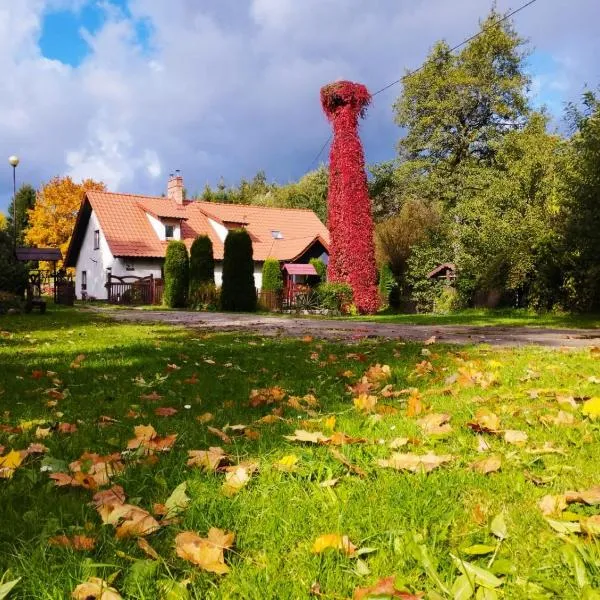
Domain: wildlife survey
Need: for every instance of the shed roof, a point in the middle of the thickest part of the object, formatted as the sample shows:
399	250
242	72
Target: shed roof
441	268
300	269
50	254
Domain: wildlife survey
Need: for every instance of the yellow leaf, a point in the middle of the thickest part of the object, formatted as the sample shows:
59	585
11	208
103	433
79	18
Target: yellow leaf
209	460
334	541
237	477
329	423
516	437
487	465
591	408
435	424
207	553
287	464
9	463
365	403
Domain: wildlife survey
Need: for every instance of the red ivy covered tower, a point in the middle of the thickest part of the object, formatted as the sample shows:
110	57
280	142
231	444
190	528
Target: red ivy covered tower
351	251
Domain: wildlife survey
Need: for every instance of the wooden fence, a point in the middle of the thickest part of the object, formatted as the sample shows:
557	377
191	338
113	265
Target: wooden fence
130	290
292	297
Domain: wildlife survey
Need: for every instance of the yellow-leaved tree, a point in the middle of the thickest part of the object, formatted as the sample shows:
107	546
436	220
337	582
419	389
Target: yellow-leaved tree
52	219
2	221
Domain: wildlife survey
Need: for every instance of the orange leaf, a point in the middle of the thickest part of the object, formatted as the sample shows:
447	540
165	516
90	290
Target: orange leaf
165	411
334	541
207	553
209	460
384	588
80	543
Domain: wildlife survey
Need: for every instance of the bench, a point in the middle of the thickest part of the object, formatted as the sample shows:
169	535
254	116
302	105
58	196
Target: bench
30	304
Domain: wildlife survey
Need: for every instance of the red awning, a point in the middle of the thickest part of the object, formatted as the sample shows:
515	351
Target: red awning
299	269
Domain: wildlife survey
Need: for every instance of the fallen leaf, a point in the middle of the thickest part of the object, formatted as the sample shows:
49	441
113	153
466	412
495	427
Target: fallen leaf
147	549
552	504
429	341
10	463
334	541
415	462
398	442
489	464
220	434
287	464
177	502
414	404
300	435
591	525
591	408
80	543
95	589
266	396
209	460
435	424
482	444
165	411
329	482
207	553
590	496
152	397
147	438
516	437
205	418
237	477
384	589
129	520
485	421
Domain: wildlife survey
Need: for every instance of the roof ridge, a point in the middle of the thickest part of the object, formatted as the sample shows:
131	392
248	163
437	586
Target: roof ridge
131	195
250	205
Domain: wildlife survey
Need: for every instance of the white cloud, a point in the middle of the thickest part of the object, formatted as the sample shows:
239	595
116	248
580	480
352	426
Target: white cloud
229	87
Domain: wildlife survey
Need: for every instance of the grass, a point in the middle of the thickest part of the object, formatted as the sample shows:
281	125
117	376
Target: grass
277	517
509	317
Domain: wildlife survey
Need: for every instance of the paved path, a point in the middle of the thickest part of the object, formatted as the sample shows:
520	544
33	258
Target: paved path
353	330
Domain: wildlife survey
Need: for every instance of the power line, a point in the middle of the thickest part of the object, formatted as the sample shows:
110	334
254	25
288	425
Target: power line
453	49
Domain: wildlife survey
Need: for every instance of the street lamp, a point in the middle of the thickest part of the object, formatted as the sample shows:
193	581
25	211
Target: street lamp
13	161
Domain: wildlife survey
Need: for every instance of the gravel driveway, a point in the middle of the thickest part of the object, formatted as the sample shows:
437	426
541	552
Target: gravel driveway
356	329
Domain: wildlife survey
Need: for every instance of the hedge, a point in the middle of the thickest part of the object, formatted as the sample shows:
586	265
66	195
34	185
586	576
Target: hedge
272	280
320	268
238	292
202	263
177	275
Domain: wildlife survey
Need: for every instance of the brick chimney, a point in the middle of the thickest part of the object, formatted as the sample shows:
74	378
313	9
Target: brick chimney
175	188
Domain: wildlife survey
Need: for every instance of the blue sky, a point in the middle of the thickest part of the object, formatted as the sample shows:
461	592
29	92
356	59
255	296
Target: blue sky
126	91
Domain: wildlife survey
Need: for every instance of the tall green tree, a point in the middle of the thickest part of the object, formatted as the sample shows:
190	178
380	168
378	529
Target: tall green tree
458	106
24	201
13	274
238	291
177	273
202	262
581	229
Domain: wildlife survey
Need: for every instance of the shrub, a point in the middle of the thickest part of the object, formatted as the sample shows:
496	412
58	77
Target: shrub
335	296
13	274
447	300
272	280
387	285
238	292
202	264
320	268
205	297
177	275
8	301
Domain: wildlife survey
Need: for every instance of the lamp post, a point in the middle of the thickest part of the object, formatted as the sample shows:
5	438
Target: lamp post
13	161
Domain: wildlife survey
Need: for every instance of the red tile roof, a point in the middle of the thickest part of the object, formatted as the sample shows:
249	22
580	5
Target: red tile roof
128	231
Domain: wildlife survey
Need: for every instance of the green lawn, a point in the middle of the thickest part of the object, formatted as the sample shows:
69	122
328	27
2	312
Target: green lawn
498	317
75	367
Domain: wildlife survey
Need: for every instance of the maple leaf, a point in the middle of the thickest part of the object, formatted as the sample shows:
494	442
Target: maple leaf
266	396
205	418
95	589
591	525
415	462
385	589
77	362
339	438
550	504
66	428
352	467
414	404
365	403
334	541
154	396
79	543
300	435
485	421
10	463
287	464
362	387
220	434
209	460
207	553
114	496
129	520
147	438
516	437
423	368
435	424
237	477
487	465
165	411
378	373
591	408
590	496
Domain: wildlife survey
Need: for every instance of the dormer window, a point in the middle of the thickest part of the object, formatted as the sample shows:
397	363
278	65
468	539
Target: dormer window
277	235
169	231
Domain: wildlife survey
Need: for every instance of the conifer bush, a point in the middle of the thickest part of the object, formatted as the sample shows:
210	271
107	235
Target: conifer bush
202	272
272	280
177	275
238	292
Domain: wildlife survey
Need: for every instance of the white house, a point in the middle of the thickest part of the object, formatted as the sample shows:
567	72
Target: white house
127	235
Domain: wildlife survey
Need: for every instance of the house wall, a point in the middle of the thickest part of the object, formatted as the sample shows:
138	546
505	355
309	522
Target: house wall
219	274
93	262
142	267
159	227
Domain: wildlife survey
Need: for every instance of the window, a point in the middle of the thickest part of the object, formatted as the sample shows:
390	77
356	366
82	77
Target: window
277	235
129	266
83	281
96	239
169	229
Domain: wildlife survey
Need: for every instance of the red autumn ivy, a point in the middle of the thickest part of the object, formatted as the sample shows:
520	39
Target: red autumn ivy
350	223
